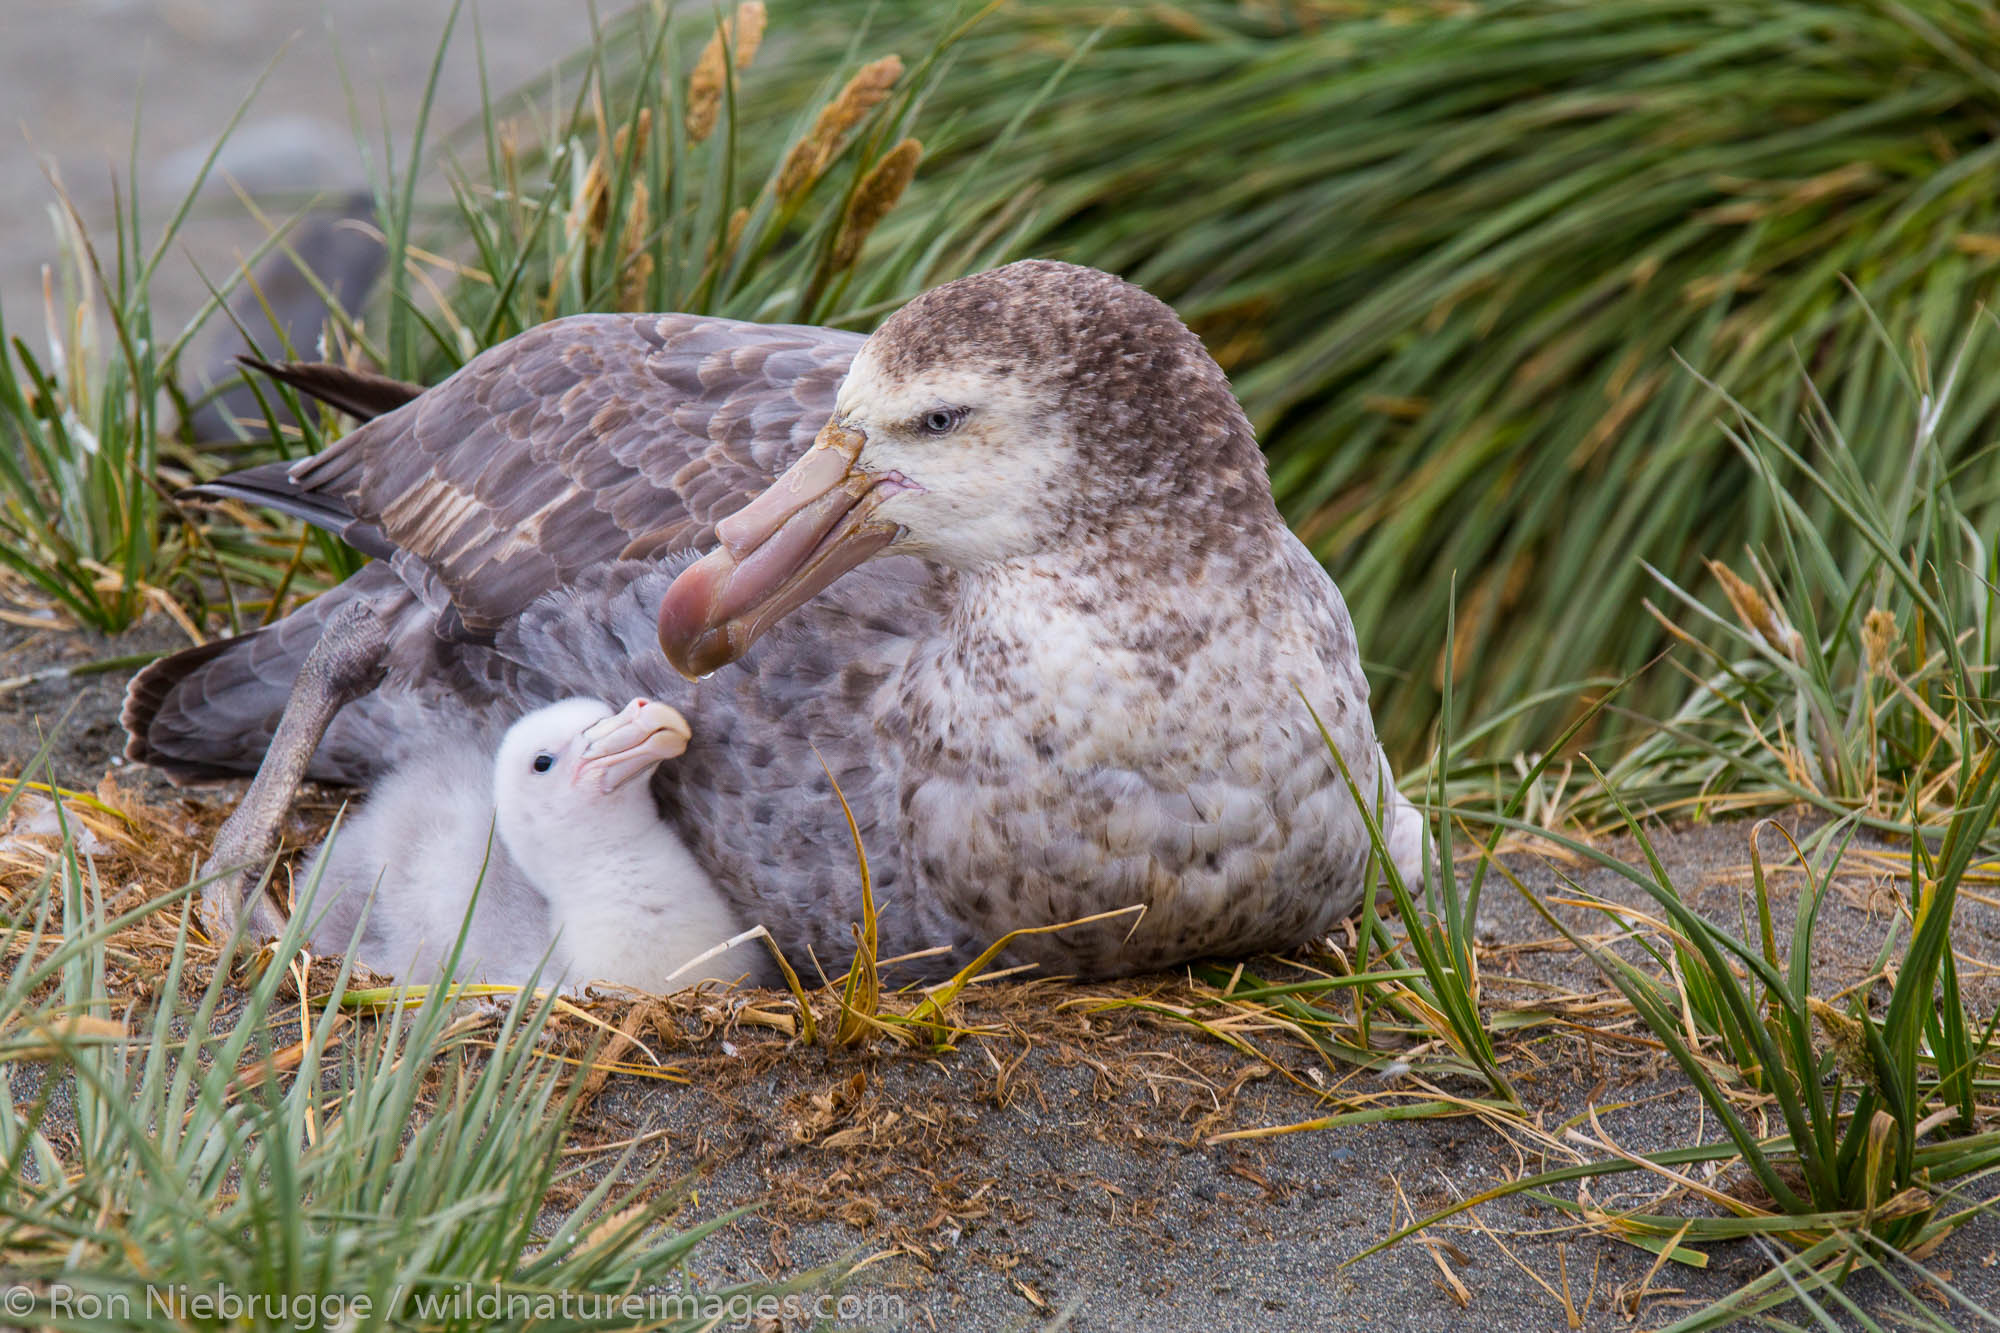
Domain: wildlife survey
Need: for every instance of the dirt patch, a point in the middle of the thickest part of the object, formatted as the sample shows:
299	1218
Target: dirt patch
1070	1161
80	711
1063	1159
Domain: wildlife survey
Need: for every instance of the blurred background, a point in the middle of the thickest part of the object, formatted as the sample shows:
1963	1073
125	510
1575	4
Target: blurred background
1524	298
75	76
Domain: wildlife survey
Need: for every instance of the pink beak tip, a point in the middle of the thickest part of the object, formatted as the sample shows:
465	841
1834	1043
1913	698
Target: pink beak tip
811	525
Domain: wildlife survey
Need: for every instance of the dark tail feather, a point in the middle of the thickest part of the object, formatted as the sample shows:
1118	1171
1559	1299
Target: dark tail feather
148	694
270	486
210	712
359	393
328	265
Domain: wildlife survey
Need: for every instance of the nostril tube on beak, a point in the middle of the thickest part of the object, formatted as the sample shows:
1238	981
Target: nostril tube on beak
805	530
820	470
842	438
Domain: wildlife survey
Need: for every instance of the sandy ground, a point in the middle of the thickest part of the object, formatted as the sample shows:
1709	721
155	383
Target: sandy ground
1061	1167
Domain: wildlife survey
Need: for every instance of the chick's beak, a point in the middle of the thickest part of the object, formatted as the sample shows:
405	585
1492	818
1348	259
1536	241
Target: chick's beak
811	525
630	744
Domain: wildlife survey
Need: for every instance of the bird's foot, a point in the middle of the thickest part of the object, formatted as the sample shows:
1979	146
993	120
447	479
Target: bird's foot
245	847
237	893
631	742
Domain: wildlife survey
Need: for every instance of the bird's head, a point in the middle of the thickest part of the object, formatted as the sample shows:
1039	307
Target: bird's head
1018	411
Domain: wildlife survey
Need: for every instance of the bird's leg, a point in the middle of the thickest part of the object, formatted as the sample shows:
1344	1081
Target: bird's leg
1404	838
1404	835
630	742
347	662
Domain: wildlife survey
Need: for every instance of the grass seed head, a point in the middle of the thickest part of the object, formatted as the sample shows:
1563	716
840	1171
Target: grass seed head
1844	1037
749	33
641	125
863	93
1878	640
743	34
880	189
721	250
1757	614
711	71
633	282
636	267
589	205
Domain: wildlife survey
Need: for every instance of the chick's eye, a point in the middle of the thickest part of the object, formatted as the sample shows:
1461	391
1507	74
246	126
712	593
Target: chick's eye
544	762
942	420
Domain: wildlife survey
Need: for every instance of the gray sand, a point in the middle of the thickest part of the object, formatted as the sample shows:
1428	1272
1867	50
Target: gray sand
1060	1166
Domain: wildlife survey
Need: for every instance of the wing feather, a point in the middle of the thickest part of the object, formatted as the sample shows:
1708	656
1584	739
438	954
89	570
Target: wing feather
581	441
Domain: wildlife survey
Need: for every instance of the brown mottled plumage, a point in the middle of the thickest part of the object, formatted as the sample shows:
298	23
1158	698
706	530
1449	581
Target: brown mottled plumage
1082	693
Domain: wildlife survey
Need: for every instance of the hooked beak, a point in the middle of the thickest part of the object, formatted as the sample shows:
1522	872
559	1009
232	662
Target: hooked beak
630	744
811	525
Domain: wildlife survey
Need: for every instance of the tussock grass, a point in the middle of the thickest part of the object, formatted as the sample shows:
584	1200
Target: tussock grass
1449	257
1869	683
87	465
674	169
202	1135
1449	252
1864	687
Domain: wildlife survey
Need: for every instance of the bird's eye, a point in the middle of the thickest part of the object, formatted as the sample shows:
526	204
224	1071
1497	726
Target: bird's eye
544	762
942	420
